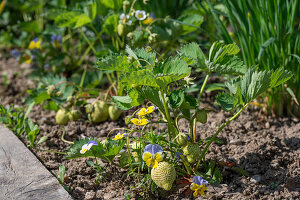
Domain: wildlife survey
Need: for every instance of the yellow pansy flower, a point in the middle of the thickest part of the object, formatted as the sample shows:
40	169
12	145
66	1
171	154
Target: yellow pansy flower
120	136
35	44
199	185
152	155
147	110
139	122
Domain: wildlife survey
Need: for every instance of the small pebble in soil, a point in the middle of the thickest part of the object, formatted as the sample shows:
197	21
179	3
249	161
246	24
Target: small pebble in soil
236	142
90	195
255	179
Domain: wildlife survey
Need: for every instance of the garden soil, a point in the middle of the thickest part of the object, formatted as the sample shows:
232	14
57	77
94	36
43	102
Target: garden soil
267	148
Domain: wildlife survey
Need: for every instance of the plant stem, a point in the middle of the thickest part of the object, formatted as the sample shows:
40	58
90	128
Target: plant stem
83	76
194	121
202	88
170	124
216	134
63	136
50	151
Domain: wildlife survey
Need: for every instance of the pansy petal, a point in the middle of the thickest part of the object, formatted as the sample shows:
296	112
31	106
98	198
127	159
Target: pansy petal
150	109
154	164
202	189
82	151
142	112
194	186
153	148
198	180
93	142
149	162
196	193
158	157
135	121
147	156
143	122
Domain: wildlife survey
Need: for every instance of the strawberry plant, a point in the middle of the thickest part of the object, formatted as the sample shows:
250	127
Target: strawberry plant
173	153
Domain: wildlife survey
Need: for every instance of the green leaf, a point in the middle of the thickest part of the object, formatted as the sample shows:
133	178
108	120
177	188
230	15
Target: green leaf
193	52
67	19
62	172
170	71
191	19
153	95
141	77
279	76
148	56
41	97
82	20
123	102
130	52
136	98
114	62
222	59
110	24
31	27
254	83
176	98
41	140
226	101
113	4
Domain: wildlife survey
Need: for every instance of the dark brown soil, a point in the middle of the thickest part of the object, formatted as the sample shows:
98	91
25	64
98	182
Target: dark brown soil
267	148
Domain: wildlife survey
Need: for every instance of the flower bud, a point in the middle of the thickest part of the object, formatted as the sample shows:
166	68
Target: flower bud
50	89
121	29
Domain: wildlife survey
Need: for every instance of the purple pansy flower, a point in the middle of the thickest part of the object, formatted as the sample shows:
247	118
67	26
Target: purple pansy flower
178	155
199	181
15	53
56	40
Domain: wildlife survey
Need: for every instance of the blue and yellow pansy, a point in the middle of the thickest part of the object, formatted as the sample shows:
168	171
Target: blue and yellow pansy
153	154
35	44
199	185
87	146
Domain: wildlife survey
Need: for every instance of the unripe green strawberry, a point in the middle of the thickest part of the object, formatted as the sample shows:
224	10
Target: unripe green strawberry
121	29
201	116
100	112
192	150
89	108
62	117
74	115
163	175
182	139
191	159
114	112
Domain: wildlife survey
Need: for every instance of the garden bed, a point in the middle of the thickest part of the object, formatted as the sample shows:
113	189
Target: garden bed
267	148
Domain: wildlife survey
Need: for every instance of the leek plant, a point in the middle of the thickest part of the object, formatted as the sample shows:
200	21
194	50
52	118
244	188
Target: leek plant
268	33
